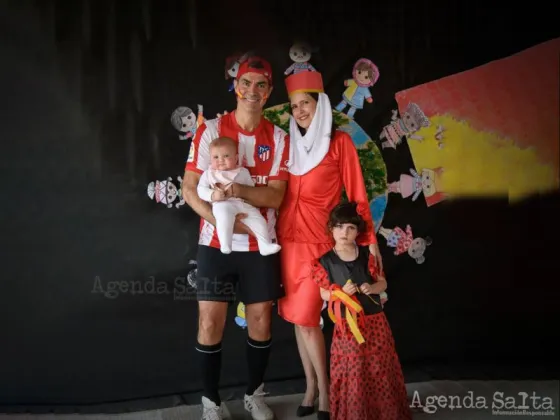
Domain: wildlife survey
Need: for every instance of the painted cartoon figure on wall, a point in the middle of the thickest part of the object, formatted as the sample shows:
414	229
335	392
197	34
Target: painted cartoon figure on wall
364	75
427	182
240	318
166	192
406	242
300	54
184	120
413	119
232	67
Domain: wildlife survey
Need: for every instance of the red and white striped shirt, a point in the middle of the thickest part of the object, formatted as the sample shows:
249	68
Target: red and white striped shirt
264	152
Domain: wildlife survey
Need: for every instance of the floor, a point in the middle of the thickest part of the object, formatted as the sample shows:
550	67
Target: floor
440	400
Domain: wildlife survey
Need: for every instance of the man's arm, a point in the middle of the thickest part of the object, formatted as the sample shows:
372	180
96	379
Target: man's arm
270	196
190	195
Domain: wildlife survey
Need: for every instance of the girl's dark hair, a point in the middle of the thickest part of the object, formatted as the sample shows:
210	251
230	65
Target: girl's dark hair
346	213
315	96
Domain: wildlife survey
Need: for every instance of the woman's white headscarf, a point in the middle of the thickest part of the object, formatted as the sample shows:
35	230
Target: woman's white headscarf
306	152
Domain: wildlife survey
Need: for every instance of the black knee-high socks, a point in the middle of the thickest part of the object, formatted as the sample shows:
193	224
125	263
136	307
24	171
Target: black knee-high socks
257	361
211	364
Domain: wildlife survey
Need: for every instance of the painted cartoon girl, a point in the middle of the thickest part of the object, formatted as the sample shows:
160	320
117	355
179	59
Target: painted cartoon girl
184	120
427	182
364	75
300	55
232	67
405	242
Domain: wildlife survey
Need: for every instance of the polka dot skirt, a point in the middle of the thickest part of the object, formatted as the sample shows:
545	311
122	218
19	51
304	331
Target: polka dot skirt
366	379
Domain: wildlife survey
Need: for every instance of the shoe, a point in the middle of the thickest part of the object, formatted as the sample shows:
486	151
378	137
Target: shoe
305	410
255	405
210	411
323	415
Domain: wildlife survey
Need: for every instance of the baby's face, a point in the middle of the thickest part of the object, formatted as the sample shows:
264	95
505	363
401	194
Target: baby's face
223	157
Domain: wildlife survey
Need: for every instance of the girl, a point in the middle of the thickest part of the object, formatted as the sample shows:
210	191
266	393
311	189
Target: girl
366	376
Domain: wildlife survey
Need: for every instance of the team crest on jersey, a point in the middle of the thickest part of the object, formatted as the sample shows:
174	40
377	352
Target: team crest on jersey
264	153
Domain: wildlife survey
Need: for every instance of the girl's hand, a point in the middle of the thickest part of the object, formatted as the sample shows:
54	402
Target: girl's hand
349	288
366	289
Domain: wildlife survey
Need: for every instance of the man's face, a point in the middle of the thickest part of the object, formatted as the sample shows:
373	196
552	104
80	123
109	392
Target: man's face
252	91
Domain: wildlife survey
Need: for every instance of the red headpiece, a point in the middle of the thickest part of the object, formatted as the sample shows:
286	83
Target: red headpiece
256	65
305	81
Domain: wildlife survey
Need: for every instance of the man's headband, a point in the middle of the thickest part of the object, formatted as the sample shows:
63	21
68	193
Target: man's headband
255	65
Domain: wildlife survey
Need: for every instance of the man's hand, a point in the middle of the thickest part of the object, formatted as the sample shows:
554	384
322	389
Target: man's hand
374	250
221	115
218	195
349	288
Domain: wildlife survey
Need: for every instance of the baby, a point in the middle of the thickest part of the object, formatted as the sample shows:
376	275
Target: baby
224	170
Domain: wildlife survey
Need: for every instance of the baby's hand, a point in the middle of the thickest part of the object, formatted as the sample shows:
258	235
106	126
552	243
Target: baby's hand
218	195
349	288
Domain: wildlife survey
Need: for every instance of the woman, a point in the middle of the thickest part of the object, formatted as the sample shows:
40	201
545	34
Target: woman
322	162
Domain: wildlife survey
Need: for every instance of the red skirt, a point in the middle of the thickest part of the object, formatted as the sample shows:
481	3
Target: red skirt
366	379
302	302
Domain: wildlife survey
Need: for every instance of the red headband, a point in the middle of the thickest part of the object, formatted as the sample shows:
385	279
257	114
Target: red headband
255	65
305	81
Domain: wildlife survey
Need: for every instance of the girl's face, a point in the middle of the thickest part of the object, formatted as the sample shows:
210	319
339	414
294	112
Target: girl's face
303	109
345	233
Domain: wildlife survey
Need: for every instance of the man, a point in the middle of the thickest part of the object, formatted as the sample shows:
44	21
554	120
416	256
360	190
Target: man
263	150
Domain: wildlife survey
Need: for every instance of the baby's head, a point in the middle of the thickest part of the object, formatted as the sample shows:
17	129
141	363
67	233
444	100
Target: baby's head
345	223
223	154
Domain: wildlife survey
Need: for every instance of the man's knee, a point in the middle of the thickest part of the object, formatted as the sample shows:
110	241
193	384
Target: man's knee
258	316
211	322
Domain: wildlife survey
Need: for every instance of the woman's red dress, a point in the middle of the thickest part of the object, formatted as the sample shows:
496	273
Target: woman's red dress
302	225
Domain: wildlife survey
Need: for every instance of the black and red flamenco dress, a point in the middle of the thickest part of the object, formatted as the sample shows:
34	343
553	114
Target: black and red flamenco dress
367	382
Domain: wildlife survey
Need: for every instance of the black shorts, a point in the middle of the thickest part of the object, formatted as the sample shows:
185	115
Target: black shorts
256	277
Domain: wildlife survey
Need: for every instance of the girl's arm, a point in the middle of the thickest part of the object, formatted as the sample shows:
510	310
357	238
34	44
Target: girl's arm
321	277
325	294
380	283
355	187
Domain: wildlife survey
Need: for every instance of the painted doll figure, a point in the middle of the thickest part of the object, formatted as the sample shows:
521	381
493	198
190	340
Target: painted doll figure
406	242
300	55
408	185
232	67
166	192
184	120
364	75
412	120
224	170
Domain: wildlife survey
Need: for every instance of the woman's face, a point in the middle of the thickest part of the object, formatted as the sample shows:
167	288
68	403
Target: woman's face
303	109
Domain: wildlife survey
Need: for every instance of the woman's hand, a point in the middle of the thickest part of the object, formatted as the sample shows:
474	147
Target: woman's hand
374	250
349	288
221	115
